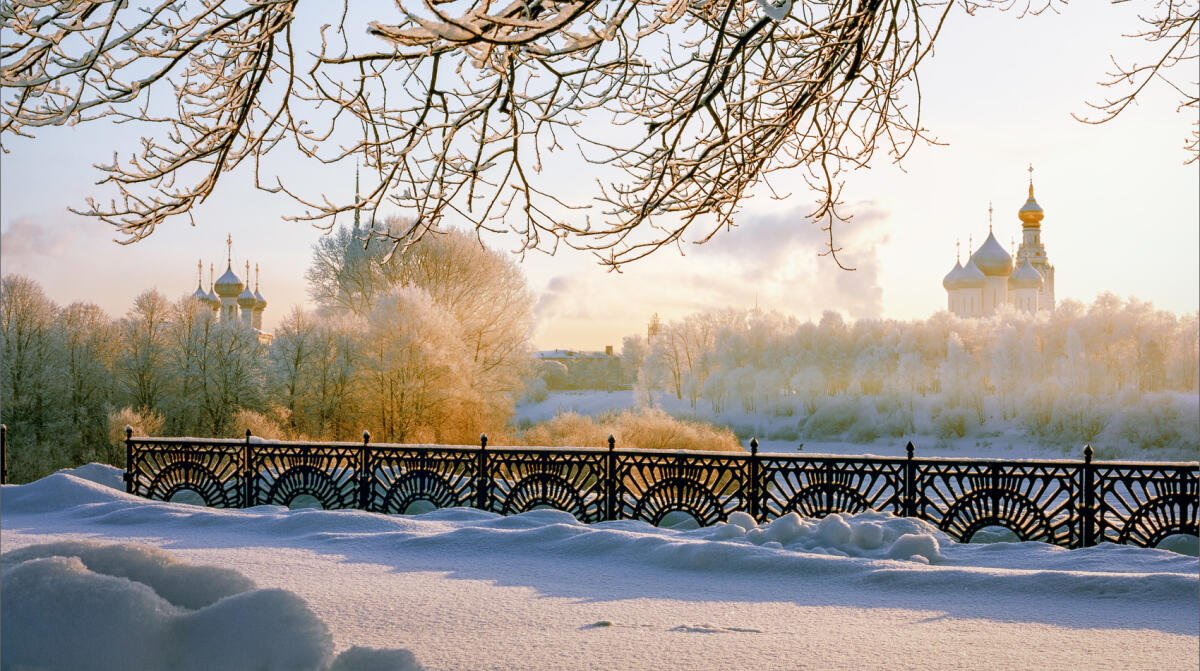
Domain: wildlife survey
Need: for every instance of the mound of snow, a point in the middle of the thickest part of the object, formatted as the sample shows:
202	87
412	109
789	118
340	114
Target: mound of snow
870	534
137	607
101	474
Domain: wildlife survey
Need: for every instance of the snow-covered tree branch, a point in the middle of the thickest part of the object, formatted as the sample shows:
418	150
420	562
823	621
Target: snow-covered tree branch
459	108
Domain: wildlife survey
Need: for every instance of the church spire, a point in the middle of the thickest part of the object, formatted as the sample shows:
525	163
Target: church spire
1031	213
229	252
200	274
989	216
356	208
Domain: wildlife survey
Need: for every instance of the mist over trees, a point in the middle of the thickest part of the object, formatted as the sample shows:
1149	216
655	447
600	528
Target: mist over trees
432	345
1116	372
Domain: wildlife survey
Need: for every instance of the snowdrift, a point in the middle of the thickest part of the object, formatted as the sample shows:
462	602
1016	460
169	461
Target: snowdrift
136	607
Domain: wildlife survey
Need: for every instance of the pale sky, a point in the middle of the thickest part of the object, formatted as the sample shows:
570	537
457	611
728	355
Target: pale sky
1122	209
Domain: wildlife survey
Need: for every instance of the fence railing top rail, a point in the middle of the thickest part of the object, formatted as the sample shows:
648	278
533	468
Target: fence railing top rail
175	441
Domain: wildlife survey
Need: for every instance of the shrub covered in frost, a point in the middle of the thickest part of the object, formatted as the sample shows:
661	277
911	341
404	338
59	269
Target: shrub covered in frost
833	417
645	428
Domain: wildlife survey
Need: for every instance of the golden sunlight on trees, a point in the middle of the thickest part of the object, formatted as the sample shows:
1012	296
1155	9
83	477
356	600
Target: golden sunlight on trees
455	105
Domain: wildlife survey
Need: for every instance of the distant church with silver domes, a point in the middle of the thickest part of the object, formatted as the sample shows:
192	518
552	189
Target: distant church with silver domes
228	294
991	279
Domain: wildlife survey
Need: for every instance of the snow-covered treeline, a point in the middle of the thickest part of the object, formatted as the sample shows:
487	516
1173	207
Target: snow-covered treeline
1116	372
427	345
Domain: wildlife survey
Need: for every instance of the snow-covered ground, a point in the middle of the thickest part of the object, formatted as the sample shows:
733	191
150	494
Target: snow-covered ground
997	439
270	588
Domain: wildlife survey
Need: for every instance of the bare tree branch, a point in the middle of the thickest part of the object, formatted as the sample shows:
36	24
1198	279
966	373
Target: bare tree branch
465	108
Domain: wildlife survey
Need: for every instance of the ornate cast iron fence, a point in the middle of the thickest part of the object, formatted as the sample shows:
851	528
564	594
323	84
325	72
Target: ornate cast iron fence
1069	503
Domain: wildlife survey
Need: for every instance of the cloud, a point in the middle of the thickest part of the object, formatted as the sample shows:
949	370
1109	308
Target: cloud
29	236
768	260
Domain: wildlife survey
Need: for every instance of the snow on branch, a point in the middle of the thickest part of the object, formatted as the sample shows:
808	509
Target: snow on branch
466	108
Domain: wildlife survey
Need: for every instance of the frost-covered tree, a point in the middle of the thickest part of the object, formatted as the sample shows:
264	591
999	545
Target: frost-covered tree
90	345
141	366
461	106
293	364
417	385
483	291
31	374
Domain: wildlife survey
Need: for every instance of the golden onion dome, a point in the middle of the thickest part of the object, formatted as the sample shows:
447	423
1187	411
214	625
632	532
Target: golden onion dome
1031	213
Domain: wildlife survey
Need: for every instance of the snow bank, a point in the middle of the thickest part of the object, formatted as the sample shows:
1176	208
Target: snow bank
101	474
465	588
137	607
869	534
864	546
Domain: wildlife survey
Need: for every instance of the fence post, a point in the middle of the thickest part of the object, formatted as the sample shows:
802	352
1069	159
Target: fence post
3	454
247	478
366	472
1087	513
755	494
481	479
610	480
128	459
910	482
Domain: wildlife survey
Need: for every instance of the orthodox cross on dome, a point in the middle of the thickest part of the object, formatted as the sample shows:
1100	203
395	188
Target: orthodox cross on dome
247	272
1031	180
229	250
210	277
256	277
989	216
957	251
199	272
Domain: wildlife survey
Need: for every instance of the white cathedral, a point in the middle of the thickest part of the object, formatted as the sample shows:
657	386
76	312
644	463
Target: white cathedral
228	293
990	279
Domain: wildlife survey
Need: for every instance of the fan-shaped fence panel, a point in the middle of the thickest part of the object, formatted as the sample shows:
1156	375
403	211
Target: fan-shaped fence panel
649	486
1036	501
1143	504
324	472
306	480
990	507
569	480
189	476
404	475
816	487
211	469
415	487
543	490
681	495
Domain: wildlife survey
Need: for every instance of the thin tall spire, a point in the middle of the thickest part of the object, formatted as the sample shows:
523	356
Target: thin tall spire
1031	180
229	252
210	277
957	251
255	278
989	216
200	274
356	208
